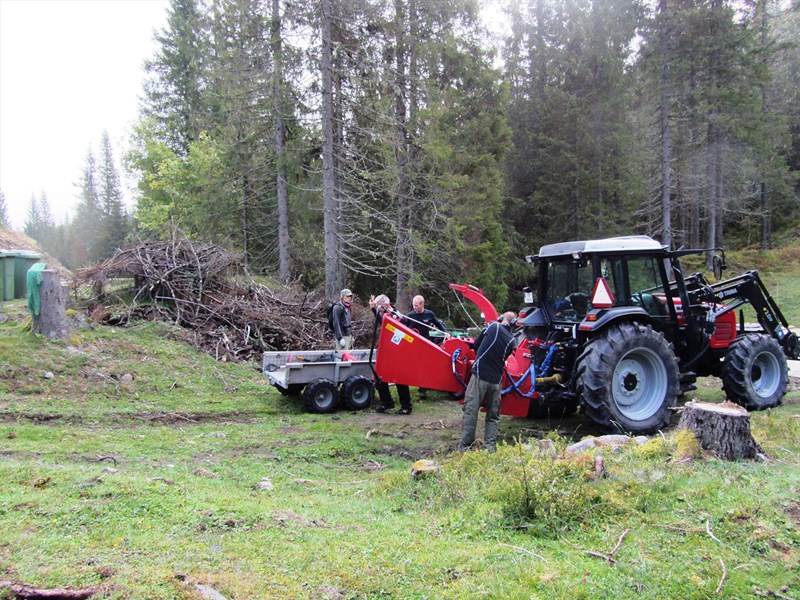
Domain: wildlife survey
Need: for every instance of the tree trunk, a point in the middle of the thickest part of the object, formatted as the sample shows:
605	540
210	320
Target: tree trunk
404	248
762	8
51	321
284	264
724	429
329	201
666	135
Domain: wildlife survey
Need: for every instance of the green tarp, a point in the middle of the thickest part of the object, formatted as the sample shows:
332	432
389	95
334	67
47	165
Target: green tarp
34	281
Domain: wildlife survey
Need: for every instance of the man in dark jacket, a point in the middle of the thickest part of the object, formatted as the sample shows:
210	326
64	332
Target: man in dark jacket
343	340
423	321
492	347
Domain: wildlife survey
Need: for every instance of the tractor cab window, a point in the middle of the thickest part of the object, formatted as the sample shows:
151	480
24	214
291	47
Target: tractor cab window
569	284
646	285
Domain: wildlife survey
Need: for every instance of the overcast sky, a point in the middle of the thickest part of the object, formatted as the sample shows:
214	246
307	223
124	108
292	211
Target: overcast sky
69	69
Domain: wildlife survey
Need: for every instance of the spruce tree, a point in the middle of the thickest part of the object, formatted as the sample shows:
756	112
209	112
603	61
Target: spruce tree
86	230
177	76
33	222
112	227
5	222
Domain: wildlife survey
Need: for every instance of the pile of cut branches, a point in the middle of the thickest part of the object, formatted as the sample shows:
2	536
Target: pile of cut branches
190	284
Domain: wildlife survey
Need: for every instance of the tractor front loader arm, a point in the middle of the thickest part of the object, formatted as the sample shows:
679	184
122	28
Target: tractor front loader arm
748	288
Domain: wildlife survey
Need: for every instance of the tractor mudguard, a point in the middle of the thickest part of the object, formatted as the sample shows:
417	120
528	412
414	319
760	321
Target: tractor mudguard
599	318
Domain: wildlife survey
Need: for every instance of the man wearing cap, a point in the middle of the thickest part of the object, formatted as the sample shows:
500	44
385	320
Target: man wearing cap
343	340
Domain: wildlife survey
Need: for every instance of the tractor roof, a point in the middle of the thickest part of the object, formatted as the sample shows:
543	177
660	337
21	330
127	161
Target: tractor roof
631	243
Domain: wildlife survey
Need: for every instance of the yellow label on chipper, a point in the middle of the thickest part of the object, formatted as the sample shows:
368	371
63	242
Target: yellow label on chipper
397	335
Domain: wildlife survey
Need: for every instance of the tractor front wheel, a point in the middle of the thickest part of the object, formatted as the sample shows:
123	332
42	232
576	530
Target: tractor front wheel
628	379
755	372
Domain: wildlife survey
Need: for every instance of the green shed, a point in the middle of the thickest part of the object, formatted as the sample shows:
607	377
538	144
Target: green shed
14	265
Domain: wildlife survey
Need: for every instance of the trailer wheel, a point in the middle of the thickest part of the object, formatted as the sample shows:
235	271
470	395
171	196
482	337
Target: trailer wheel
628	379
357	392
294	389
321	396
755	372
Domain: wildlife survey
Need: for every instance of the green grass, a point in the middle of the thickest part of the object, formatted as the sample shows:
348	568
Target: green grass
151	486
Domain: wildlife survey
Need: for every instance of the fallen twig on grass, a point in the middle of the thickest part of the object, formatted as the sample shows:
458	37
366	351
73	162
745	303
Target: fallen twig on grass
610	556
164	479
526	551
708	531
682	529
99	458
723	578
771	594
29	592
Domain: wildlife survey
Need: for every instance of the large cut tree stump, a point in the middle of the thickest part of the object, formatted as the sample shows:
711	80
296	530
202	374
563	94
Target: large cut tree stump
51	321
724	429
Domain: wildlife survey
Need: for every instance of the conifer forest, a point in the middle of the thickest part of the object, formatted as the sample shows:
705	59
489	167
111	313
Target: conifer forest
398	145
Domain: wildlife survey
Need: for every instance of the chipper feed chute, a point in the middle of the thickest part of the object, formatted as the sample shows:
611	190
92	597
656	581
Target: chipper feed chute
405	357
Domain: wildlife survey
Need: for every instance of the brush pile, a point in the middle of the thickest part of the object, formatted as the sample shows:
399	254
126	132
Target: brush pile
191	284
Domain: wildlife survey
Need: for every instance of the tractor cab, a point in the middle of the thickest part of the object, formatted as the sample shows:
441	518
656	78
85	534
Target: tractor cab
580	280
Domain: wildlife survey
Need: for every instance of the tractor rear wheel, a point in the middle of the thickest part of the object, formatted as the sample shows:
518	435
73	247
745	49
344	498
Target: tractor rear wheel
357	392
755	372
321	396
628	379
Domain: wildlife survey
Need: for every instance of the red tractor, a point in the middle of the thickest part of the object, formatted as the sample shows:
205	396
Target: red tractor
619	332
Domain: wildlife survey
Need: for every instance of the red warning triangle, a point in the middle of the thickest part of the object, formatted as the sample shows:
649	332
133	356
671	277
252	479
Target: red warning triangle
601	294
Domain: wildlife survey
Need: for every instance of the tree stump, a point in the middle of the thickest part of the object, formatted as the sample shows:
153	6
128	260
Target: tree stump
51	321
724	429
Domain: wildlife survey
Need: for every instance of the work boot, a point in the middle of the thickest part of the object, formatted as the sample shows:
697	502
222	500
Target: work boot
404	411
382	409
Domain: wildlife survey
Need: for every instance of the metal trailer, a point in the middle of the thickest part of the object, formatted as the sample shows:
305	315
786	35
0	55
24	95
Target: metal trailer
317	374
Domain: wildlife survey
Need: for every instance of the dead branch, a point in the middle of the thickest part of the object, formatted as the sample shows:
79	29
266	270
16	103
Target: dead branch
619	542
682	529
189	284
723	578
609	557
603	556
164	479
28	591
526	551
708	531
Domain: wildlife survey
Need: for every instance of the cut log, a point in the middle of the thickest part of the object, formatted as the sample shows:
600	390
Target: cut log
723	429
51	321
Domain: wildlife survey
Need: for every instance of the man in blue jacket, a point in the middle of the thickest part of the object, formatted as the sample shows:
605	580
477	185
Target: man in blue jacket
492	347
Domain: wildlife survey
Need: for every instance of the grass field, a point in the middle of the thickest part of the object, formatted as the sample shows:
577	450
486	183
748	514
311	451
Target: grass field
135	465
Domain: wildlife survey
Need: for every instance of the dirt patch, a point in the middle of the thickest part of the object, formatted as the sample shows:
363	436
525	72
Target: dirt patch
13	417
794	512
186	418
291	429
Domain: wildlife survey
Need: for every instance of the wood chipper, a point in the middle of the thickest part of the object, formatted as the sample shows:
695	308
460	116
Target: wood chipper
403	356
